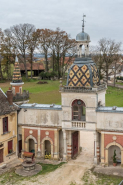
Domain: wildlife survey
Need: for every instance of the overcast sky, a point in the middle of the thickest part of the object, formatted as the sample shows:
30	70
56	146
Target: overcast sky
104	18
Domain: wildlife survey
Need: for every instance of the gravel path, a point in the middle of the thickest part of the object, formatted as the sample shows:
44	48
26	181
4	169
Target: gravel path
71	172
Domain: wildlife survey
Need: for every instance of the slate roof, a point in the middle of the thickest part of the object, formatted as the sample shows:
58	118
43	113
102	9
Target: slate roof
41	106
113	109
5	108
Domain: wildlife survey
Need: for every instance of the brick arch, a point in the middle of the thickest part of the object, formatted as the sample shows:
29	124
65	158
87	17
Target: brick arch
84	101
31	137
114	143
107	151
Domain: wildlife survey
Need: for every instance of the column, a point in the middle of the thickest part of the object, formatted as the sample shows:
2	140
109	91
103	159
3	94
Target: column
23	139
39	143
65	145
69	145
96	148
102	148
56	143
122	158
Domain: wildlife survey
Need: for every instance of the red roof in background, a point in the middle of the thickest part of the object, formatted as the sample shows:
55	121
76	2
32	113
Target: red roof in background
36	66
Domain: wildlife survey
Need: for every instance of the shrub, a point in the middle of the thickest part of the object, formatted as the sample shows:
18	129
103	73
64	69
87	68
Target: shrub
114	157
48	75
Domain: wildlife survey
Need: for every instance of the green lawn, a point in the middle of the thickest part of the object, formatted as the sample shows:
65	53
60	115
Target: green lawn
49	93
114	97
91	178
12	178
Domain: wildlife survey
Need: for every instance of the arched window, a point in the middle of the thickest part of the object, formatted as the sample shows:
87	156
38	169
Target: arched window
78	110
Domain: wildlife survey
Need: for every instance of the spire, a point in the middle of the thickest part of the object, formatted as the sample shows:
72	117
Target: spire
83	25
16	59
16	73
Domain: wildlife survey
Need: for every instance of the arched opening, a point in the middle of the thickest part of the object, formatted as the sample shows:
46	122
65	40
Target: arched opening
47	147
83	50
78	110
111	153
31	146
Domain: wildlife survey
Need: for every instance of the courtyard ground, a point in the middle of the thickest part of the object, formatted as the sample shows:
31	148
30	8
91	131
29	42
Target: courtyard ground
75	172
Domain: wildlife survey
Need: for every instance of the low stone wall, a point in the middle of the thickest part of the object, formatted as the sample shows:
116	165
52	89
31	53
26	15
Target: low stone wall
21	97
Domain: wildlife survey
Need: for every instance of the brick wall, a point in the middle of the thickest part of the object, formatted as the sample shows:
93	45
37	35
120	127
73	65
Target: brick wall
51	134
108	138
34	134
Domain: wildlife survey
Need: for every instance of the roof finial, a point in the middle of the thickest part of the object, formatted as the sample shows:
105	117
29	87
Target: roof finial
83	25
16	59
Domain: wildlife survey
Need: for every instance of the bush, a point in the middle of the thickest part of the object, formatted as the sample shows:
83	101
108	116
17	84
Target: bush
48	75
119	78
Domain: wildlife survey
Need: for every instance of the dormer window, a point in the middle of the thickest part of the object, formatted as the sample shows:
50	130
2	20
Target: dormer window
78	110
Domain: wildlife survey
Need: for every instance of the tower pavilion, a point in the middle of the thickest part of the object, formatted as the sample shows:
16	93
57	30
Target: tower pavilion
16	80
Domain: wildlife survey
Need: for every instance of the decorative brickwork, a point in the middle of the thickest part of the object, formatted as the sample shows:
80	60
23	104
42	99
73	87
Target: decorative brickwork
51	134
34	134
108	138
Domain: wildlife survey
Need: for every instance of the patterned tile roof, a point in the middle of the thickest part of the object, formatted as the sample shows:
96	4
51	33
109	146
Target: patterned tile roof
82	73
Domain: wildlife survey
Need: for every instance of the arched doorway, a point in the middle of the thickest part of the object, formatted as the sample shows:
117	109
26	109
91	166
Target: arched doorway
47	147
111	153
31	146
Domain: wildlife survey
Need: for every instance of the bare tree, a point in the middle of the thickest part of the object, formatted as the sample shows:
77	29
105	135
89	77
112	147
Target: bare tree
7	51
44	44
61	45
107	53
32	44
21	33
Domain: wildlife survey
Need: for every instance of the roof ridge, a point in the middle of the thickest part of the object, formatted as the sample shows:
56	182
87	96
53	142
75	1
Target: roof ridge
3	93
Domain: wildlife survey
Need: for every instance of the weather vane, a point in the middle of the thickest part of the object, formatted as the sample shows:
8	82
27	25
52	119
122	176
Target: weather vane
83	25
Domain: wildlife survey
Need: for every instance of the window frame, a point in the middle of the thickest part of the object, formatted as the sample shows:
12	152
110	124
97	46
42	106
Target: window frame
9	152
5	125
81	113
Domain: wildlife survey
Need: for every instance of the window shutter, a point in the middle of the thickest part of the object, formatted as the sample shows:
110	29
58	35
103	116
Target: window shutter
3	125
10	145
6	124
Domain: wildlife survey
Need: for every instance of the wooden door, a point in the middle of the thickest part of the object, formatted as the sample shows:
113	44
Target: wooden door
20	146
1	155
74	144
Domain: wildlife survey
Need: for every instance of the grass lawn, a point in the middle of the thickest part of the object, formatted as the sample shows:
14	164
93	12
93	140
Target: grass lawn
114	97
12	178
91	178
49	93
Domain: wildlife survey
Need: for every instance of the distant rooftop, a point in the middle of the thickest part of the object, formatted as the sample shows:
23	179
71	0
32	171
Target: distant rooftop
41	106
110	109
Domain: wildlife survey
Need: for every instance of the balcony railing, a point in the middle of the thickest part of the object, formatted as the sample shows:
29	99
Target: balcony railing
78	124
82	89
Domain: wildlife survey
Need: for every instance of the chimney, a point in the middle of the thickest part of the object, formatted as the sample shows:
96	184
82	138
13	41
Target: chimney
10	96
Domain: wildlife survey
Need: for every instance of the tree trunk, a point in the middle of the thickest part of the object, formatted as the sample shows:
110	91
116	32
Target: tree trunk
1	74
114	74
31	63
24	56
46	62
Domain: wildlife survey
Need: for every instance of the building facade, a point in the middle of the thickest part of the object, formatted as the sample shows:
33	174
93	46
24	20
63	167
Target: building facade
8	127
81	121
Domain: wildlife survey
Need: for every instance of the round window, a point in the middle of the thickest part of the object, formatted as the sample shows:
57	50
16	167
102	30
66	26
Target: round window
79	102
